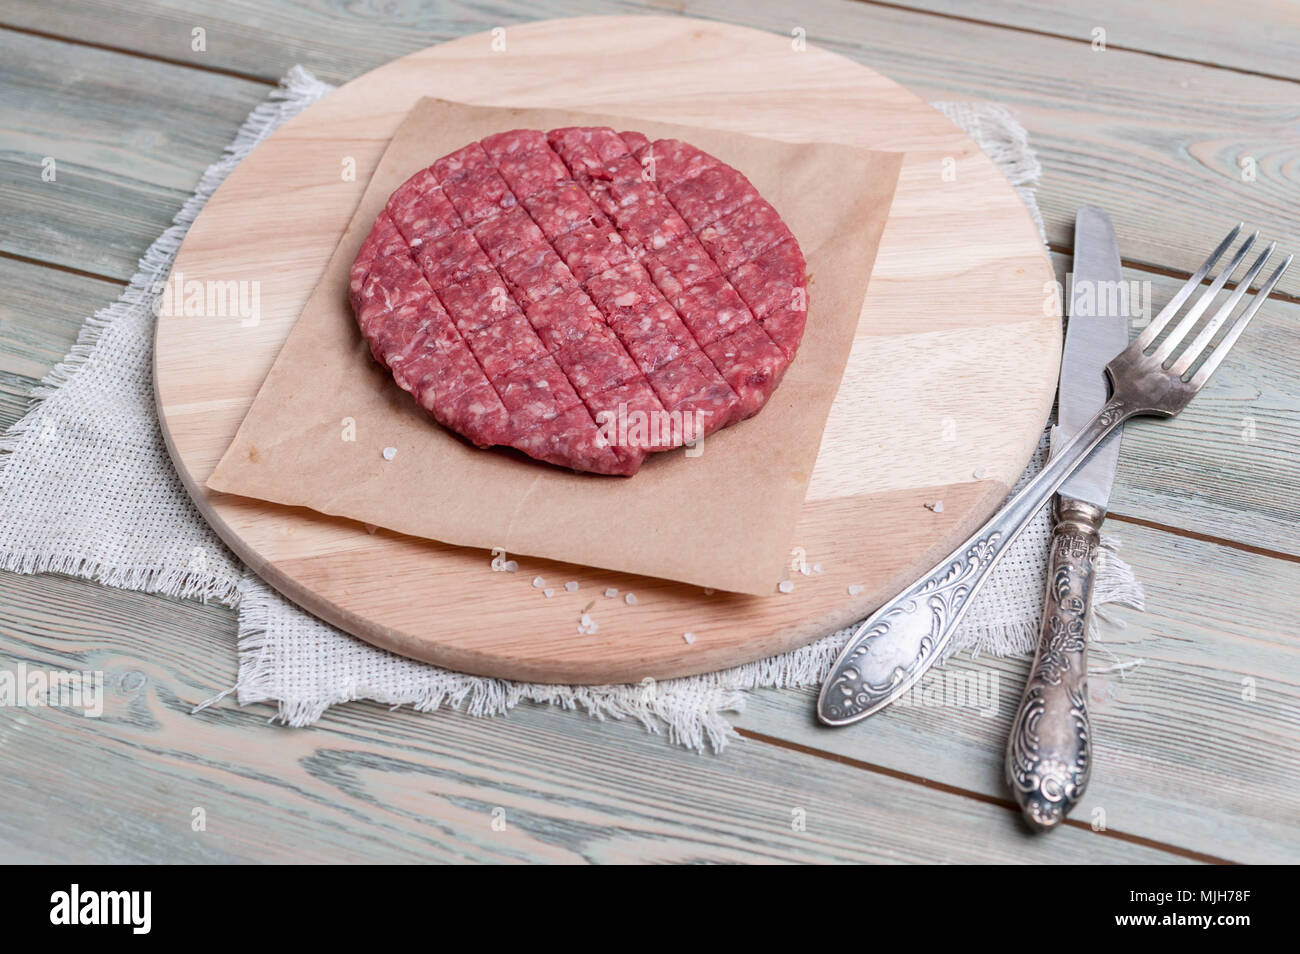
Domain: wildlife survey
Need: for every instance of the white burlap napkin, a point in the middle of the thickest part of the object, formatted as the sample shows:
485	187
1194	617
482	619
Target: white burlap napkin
87	489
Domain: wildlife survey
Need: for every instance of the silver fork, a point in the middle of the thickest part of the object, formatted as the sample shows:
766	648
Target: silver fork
910	632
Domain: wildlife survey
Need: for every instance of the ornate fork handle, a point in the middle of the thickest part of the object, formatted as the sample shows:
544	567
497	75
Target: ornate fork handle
895	646
1049	755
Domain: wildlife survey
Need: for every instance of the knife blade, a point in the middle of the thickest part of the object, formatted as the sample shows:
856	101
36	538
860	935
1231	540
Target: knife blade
1098	331
1049	757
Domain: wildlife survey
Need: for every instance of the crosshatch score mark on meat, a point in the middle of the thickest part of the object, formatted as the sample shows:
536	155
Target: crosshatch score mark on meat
585	296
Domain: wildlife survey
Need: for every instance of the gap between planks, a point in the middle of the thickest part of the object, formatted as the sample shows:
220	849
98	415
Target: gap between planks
125	51
66	269
1033	31
1205	538
899	7
1062	248
981	797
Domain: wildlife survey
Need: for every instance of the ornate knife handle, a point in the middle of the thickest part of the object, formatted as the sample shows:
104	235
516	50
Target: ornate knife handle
897	644
1049	755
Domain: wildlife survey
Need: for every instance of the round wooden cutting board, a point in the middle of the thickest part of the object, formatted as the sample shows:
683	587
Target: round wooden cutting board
951	376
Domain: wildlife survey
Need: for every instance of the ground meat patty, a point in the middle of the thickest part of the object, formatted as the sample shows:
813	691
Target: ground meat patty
582	295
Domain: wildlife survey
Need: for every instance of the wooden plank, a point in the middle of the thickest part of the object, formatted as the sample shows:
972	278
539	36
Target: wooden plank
129	139
371	784
1205	31
1182	752
1157	142
41	312
1229	465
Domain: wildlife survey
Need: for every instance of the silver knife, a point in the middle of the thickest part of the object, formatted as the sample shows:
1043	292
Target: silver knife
900	641
1049	754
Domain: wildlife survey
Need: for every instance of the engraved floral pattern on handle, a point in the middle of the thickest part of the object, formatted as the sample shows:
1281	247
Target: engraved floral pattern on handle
902	642
1049	758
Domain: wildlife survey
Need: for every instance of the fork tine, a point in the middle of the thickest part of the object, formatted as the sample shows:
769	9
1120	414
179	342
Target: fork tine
1238	326
1194	313
1158	323
1193	350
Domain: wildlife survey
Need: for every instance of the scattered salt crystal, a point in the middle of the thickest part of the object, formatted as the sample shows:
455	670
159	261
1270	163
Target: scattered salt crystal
548	592
937	506
630	599
511	566
571	586
817	567
980	474
610	592
855	589
538	582
785	586
390	453
689	637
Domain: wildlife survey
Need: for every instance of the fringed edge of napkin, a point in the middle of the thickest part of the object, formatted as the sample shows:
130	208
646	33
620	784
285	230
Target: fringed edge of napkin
1006	142
297	90
690	711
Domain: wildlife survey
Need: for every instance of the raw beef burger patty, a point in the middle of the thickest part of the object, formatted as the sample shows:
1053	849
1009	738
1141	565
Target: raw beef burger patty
583	295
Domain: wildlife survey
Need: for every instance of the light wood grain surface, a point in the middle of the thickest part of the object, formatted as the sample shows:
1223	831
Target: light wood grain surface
952	370
1197	746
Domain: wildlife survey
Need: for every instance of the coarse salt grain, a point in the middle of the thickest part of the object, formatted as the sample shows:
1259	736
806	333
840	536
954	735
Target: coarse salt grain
548	592
855	589
571	586
538	582
785	586
937	506
390	453
689	637
817	567
980	474
610	593
630	599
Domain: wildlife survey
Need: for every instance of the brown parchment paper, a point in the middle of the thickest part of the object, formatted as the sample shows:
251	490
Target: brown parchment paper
722	519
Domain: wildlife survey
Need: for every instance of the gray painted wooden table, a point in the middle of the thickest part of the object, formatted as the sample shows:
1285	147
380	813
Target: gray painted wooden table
1197	747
